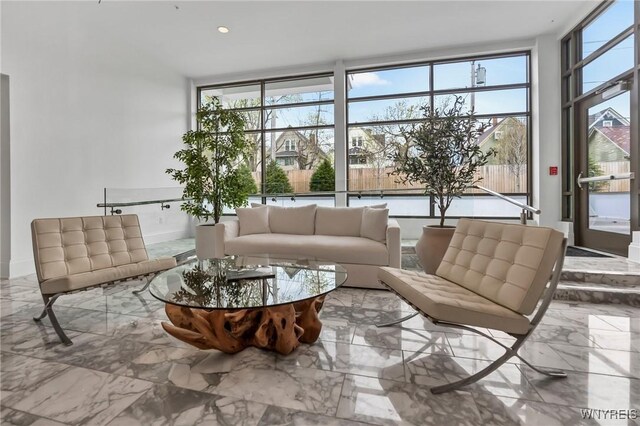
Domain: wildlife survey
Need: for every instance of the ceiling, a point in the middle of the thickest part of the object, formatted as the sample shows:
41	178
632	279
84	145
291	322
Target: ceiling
268	34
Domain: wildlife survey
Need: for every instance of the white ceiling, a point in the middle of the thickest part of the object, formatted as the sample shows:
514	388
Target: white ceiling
269	34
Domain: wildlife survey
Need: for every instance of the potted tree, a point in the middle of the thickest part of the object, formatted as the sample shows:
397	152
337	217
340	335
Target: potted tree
444	156
212	177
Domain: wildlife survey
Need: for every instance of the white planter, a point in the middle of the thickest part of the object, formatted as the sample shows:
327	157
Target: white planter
206	241
432	246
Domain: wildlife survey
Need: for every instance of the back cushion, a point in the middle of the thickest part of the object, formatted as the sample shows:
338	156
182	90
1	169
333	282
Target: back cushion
254	220
82	244
292	220
508	264
341	221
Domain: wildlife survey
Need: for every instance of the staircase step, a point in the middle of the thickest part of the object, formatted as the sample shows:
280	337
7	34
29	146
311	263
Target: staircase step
577	291
602	277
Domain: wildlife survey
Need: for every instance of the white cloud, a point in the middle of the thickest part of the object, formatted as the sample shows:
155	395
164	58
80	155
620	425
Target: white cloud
367	79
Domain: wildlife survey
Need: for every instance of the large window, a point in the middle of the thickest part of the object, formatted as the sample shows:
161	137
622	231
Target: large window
598	55
383	105
290	124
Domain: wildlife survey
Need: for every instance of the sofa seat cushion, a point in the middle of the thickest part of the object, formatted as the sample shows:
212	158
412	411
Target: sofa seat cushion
445	301
337	249
87	279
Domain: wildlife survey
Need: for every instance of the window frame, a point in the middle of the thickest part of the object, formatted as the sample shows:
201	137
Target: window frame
431	94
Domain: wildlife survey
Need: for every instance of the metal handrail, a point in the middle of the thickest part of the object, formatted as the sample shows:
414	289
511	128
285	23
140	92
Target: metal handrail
604	178
164	204
525	208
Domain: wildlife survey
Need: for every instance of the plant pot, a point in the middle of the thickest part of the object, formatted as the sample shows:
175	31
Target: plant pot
206	241
432	246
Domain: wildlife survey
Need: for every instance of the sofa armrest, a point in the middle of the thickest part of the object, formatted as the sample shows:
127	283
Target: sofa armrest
394	243
225	231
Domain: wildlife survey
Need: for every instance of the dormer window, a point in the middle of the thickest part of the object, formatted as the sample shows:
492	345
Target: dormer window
289	145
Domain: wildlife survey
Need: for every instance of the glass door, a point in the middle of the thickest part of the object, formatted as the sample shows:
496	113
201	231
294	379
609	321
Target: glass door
604	179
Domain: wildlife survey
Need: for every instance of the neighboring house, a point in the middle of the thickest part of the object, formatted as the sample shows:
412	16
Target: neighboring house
506	130
366	149
295	151
609	136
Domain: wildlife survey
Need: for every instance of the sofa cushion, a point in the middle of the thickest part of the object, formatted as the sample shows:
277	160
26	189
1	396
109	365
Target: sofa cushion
507	264
374	224
253	220
88	279
292	220
445	301
339	221
337	249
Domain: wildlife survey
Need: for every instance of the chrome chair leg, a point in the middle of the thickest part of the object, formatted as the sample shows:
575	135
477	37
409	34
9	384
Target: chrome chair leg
48	310
398	321
146	286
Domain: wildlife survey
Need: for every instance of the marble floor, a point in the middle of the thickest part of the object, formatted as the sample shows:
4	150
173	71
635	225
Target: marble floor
124	370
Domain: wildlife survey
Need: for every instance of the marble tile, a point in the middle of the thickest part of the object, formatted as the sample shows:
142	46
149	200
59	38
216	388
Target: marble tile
21	289
576	318
478	347
78	395
382	300
336	330
206	372
278	416
345	296
386	402
358	315
500	410
402	338
19	372
564	335
156	362
344	358
10	307
10	417
623	323
315	391
617	340
600	361
169	405
587	390
29	338
435	370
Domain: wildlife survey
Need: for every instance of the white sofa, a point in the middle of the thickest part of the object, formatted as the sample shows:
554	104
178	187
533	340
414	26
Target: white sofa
361	239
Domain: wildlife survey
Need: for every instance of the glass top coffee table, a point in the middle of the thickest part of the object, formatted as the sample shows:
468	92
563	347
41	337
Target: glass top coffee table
267	301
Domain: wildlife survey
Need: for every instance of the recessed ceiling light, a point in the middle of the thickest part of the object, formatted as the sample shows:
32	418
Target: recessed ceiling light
223	29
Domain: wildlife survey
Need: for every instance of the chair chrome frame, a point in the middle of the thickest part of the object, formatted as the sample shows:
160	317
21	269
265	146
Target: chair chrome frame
510	351
50	299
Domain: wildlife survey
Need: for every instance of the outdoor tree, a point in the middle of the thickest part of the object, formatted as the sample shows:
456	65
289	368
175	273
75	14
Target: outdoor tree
324	178
511	148
246	181
444	155
276	181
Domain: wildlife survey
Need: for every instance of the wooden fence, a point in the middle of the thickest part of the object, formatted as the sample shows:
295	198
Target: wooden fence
500	178
612	168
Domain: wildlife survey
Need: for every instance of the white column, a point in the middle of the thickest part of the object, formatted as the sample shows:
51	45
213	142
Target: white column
546	129
5	179
340	141
634	247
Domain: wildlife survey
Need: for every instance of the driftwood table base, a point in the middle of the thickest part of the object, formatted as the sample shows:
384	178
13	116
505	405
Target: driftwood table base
277	328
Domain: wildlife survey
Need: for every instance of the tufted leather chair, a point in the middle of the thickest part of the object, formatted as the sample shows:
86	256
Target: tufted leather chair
81	252
492	275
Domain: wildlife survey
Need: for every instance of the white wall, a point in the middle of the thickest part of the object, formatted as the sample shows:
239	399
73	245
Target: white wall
87	112
547	142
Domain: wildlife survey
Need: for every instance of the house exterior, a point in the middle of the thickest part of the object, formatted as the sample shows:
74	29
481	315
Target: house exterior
507	130
294	151
366	149
609	137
